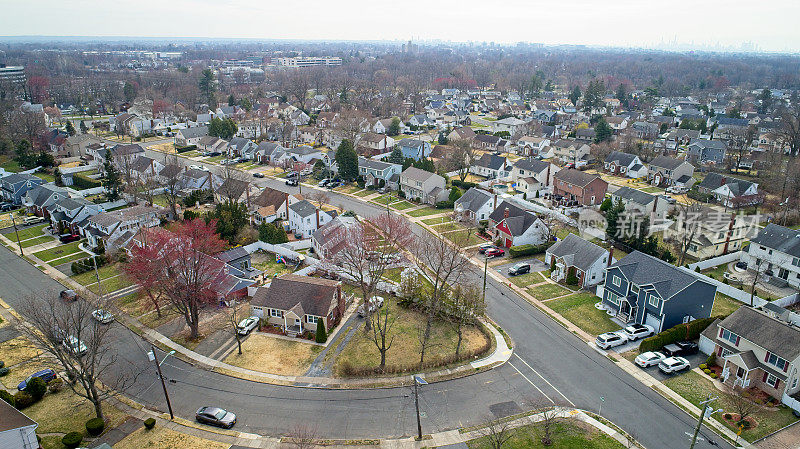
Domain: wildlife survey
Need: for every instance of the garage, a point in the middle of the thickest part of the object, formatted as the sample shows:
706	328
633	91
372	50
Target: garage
654	321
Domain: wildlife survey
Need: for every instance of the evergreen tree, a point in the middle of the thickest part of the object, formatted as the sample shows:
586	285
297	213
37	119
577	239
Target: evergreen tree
612	218
396	157
208	87
622	95
602	131
70	128
224	128
83	127
575	95
272	233
394	127
347	160
321	336
113	179
455	194
593	97
231	100
231	217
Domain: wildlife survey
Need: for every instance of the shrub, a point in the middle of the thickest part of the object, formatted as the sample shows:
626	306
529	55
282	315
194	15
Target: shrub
3	371
683	331
713	375
8	397
463	184
725	281
444	205
321	336
711	360
36	388
528	250
95	426
72	440
727	416
707	371
149	423
2	364
703	366
85	265
55	385
22	400
181	149
190	215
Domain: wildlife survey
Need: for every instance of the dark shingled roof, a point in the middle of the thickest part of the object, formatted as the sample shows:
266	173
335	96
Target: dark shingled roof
642	269
532	164
577	252
769	333
780	239
636	196
13	418
575	177
473	199
623	159
518	220
669	163
314	295
490	161
713	181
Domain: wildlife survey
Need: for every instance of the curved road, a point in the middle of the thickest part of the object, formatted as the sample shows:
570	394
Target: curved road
549	365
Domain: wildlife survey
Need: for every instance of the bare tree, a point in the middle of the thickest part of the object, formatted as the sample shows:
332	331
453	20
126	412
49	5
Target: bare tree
545	426
466	307
461	158
81	345
688	223
743	404
170	178
497	433
234	184
303	436
789	131
382	323
320	197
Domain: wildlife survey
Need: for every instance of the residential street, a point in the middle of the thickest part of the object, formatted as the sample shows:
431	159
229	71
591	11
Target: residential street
550	365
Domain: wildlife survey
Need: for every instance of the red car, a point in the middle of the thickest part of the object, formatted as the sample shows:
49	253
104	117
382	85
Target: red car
495	252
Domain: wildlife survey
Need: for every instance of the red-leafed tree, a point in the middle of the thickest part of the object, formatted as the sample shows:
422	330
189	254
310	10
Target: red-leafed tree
192	273
146	265
38	86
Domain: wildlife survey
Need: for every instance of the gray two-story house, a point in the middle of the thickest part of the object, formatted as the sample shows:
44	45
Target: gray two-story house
13	187
643	289
374	172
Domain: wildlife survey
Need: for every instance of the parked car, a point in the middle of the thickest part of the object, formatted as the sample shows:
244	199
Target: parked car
637	331
32	220
375	303
495	252
46	375
520	268
681	348
741	265
5	207
197	167
214	153
67	238
68	295
258	175
73	345
610	340
292	182
485	246
673	365
668	199
103	316
677	189
324	182
215	416
247	325
649	358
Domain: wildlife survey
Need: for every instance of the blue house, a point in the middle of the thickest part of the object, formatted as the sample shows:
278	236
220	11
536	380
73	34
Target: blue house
707	151
643	289
415	148
14	187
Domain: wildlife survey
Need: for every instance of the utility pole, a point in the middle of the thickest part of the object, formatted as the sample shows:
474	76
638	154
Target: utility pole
420	381
705	410
16	232
485	268
163	385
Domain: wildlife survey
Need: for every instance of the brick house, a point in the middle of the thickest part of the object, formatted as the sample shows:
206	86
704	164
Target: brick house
574	185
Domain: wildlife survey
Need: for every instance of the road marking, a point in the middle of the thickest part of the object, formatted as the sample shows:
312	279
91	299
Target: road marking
547	381
529	381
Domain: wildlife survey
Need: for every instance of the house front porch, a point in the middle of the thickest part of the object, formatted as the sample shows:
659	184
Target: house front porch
744	370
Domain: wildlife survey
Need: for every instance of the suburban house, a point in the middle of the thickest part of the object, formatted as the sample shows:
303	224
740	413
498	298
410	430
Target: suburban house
271	205
374	172
668	171
578	257
532	175
212	144
67	214
303	154
475	205
241	147
512	125
145	168
641	203
295	303
730	191
713	232
578	186
40	197
304	218
16	185
414	148
17	431
371	143
775	251
532	146
193	179
487	142
568	151
329	239
113	230
625	164
758	348
240	259
462	133
514	226
266	151
491	166
642	289
190	136
707	151
422	185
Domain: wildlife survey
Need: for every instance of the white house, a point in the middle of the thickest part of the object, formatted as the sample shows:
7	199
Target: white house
17	431
775	252
532	175
305	218
510	124
581	258
491	166
475	205
624	164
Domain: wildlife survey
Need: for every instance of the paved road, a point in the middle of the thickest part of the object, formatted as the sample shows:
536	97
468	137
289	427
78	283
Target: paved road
549	364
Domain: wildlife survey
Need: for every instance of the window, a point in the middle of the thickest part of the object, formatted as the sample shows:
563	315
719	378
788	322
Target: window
312	319
796	262
276	313
653	300
634	288
772	381
613	299
794	383
725	353
616	281
776	361
729	336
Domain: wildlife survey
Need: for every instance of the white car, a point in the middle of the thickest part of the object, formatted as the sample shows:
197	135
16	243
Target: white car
103	316
673	365
247	325
375	303
74	345
610	339
649	358
677	189
637	331
197	167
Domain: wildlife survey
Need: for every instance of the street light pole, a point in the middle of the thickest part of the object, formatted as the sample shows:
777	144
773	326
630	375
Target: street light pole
163	385
16	232
485	268
418	380
705	410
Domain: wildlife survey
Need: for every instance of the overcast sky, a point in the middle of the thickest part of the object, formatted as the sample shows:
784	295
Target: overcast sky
772	25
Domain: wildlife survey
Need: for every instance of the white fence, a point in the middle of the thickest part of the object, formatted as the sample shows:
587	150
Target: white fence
741	295
714	261
112	204
284	249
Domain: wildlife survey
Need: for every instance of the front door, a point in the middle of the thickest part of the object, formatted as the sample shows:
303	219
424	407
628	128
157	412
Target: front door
783	273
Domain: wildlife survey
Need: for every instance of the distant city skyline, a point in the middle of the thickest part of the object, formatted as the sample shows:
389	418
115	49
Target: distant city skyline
734	25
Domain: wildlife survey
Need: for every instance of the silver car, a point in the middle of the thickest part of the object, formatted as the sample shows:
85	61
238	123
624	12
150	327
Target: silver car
103	316
247	325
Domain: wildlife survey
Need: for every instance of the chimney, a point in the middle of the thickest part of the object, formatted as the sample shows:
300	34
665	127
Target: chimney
495	202
547	180
610	256
286	196
506	213
655	204
317	211
722	181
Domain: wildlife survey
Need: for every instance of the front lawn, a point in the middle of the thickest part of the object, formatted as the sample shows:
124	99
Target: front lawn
464	237
58	252
360	353
548	291
35	241
724	305
27	233
445	227
47	177
274	355
652	190
579	310
90	277
364	193
162	438
437	220
425	211
527	279
401	205
568	434
694	388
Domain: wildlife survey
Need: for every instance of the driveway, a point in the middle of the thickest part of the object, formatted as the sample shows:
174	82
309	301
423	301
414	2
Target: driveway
536	265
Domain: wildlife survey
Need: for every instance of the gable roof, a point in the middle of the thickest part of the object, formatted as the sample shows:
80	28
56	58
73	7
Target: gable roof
780	239
303	208
769	333
518	221
620	158
713	181
473	199
667	279
314	295
633	195
490	161
270	197
191	133
417	174
12	418
577	252
669	163
575	177
532	164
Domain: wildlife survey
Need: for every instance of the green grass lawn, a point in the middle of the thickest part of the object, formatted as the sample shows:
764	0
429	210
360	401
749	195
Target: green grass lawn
58	252
364	193
579	309
216	159
549	291
384	199
436	220
568	434
46	176
425	211
694	388
393	274
191	153
401	205
272	268
350	188
35	241
111	284
10	165
716	272
526	279
28	233
652	190
445	227
724	305
90	277
464	237
70	258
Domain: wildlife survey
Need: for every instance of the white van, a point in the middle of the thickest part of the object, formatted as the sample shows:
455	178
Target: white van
32	220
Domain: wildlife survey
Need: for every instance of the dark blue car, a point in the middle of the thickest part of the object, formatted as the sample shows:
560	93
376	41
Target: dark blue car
46	375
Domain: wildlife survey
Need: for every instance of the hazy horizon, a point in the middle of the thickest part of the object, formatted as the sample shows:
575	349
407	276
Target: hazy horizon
734	25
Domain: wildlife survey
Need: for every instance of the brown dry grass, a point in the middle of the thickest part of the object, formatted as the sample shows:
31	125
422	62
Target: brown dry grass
269	354
17	350
20	372
65	411
163	438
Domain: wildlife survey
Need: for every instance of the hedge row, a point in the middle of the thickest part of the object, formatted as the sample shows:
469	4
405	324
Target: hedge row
181	149
463	184
528	250
680	332
84	182
84	265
